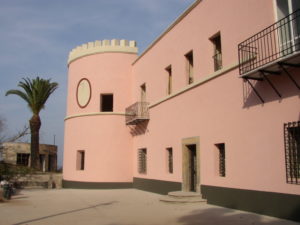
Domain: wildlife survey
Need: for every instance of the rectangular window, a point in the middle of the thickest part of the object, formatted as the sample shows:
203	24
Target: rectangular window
107	102
217	57
169	73
142	160
292	152
221	149
23	159
190	67
143	93
170	159
80	160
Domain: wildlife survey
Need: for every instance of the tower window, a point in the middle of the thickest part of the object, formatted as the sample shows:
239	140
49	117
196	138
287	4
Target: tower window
142	160
80	160
190	67
107	102
292	152
221	149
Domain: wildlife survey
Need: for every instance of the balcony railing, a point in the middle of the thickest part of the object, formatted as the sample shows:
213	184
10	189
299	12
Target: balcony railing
217	61
137	113
275	43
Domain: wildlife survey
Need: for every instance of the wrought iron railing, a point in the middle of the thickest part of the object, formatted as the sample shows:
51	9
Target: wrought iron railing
137	112
217	61
277	41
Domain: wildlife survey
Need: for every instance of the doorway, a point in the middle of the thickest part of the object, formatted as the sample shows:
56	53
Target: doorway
191	165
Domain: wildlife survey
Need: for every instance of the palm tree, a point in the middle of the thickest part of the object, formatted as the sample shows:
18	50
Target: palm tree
35	92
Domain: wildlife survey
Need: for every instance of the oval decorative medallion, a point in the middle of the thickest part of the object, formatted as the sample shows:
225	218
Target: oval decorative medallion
83	93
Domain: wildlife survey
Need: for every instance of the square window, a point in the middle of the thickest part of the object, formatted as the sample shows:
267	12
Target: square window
23	159
107	102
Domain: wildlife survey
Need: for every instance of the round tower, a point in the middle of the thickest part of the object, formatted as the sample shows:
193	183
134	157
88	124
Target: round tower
97	148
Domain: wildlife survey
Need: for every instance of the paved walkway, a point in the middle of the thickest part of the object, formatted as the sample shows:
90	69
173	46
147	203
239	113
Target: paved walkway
117	207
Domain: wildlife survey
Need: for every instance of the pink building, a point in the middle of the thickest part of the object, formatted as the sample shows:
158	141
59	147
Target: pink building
212	106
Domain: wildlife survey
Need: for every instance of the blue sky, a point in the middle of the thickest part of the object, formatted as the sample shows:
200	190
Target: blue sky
36	37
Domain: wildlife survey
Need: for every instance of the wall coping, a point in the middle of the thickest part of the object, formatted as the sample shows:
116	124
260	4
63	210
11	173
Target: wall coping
104	46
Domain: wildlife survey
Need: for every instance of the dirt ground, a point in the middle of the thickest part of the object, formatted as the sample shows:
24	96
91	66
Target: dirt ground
117	207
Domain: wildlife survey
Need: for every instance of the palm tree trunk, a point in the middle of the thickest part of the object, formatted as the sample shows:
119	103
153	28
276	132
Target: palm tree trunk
35	124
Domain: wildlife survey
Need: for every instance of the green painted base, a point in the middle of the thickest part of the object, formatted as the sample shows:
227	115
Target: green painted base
285	206
156	186
95	185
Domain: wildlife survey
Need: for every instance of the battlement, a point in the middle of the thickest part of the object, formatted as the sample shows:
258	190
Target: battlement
95	47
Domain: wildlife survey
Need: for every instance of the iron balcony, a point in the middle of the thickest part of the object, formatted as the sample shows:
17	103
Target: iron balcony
272	48
136	113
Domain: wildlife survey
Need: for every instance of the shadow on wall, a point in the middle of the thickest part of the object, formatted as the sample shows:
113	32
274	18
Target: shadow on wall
224	216
139	129
283	84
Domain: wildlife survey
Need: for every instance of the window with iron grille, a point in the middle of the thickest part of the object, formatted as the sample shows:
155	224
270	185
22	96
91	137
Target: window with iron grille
22	159
292	152
142	160
170	159
221	149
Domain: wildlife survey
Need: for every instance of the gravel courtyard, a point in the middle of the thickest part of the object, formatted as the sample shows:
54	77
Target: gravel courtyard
117	207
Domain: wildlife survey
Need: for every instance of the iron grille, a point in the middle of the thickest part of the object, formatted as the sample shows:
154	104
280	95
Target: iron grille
274	42
142	160
217	61
170	160
221	148
292	152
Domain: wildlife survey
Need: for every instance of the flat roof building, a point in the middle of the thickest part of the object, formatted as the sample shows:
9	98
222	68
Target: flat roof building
18	153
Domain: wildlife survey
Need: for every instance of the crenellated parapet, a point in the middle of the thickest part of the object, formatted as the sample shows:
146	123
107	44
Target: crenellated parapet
103	46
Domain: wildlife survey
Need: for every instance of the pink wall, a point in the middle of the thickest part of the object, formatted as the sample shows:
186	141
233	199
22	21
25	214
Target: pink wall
222	110
215	111
193	33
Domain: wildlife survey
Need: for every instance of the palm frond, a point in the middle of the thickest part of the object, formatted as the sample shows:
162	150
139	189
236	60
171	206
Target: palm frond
36	92
19	93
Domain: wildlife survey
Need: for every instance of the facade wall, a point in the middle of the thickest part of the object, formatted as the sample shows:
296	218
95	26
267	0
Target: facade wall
221	110
218	107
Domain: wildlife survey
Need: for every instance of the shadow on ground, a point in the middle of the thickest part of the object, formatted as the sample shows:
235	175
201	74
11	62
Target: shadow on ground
64	213
224	216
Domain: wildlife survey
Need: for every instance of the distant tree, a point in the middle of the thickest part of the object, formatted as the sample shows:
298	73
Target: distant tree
35	93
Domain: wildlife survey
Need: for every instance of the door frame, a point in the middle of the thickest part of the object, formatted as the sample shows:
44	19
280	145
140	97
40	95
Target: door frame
186	182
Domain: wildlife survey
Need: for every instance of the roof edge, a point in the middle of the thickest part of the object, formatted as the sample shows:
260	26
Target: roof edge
178	20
